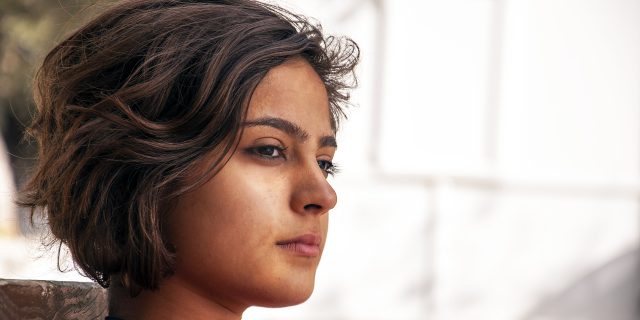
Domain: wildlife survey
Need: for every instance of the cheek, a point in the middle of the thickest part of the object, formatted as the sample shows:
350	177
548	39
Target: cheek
235	210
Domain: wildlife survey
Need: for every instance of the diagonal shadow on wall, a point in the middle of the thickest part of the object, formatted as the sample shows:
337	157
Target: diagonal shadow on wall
610	292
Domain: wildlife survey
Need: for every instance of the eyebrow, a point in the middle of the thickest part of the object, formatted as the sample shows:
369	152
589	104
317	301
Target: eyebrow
291	129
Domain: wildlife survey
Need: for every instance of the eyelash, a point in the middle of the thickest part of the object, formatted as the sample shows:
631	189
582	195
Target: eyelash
280	150
331	169
328	167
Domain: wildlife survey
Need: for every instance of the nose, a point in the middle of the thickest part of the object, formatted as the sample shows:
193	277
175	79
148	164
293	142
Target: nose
312	193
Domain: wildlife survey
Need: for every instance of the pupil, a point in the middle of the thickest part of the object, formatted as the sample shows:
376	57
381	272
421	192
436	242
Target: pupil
267	151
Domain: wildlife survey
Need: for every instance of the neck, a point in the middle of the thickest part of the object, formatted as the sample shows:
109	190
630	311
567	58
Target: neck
171	301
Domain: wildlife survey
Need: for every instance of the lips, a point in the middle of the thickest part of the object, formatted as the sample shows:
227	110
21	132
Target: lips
307	245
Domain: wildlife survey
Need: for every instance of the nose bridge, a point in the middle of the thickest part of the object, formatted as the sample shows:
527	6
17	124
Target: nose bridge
312	192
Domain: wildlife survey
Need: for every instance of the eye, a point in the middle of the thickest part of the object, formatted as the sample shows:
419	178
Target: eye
328	167
268	151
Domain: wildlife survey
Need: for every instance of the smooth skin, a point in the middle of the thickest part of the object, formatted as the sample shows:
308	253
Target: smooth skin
273	188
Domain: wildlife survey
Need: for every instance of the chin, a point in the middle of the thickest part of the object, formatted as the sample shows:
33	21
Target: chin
290	296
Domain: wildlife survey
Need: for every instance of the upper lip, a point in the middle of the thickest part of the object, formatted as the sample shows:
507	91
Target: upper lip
309	239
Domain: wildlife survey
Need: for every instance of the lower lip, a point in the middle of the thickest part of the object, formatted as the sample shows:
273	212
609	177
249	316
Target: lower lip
301	249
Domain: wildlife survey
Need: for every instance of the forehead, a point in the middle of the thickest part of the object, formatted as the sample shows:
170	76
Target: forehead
293	91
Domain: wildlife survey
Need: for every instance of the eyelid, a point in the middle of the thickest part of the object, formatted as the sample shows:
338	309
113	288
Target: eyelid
268	141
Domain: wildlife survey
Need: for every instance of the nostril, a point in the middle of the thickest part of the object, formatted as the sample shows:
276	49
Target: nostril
312	206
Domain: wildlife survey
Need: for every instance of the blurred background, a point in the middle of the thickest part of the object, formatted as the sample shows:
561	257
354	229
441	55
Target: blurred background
490	167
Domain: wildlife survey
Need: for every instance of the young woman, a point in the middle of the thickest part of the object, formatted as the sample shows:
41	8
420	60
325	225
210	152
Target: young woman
184	151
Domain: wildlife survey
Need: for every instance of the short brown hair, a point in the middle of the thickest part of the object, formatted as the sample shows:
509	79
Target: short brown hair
128	104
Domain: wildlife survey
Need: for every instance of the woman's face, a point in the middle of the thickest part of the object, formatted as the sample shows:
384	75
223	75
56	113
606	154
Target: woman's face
254	233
